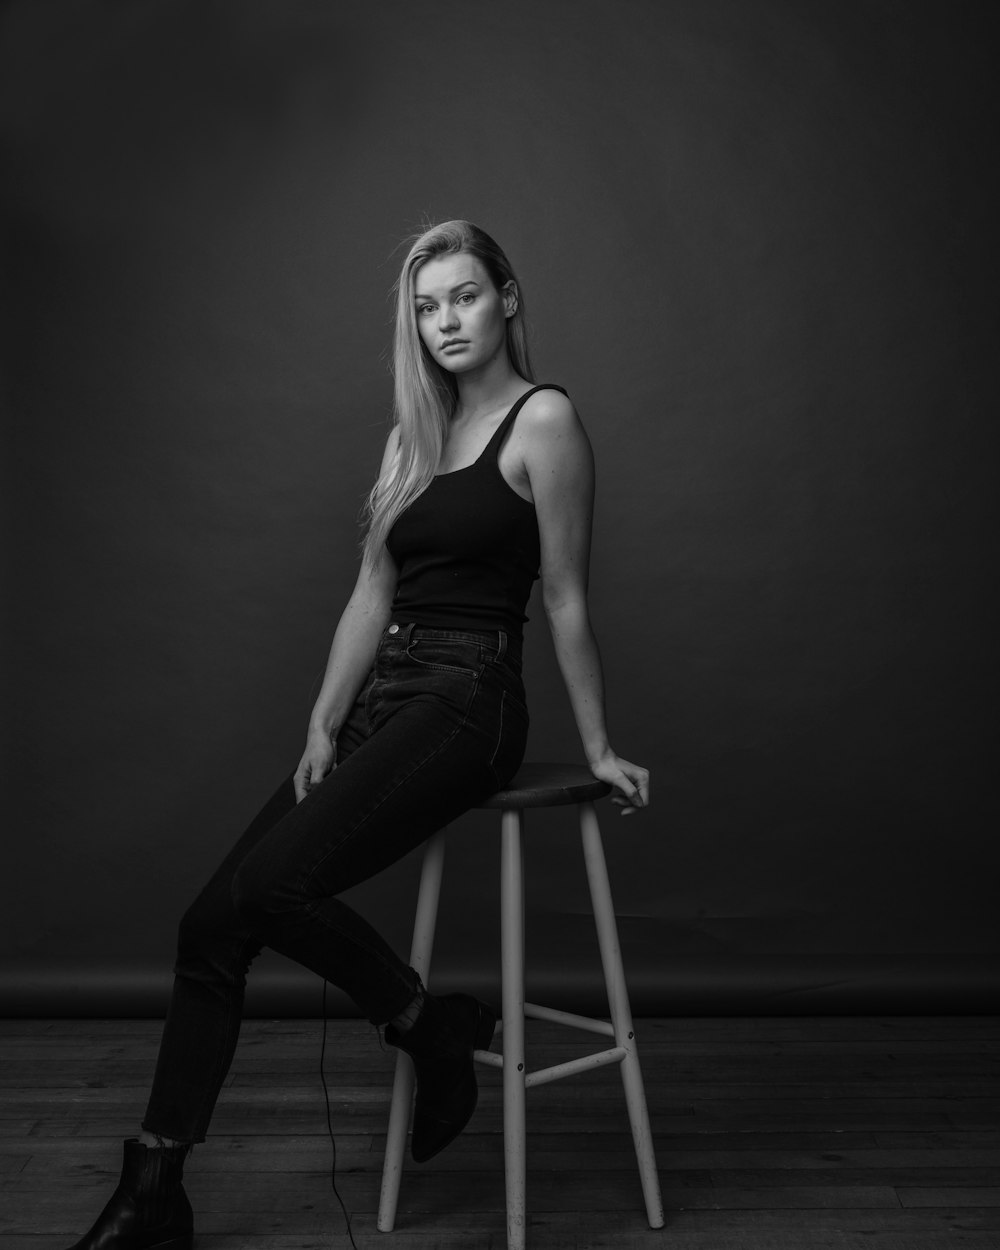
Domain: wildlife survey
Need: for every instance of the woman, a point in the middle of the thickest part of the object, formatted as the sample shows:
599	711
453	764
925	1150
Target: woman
486	479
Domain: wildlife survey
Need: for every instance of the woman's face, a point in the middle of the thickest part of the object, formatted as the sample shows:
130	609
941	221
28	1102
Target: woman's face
461	316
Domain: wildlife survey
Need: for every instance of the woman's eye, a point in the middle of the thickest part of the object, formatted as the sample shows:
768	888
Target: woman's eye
424	309
467	296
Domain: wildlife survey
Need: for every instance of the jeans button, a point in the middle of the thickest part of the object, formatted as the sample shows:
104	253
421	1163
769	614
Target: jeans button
393	629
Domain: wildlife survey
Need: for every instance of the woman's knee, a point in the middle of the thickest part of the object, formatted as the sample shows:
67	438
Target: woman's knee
205	923
213	944
256	895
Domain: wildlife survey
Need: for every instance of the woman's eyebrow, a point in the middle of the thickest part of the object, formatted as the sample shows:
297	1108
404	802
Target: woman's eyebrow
467	282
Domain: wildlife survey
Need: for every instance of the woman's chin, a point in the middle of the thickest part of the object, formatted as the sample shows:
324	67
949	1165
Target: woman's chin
456	364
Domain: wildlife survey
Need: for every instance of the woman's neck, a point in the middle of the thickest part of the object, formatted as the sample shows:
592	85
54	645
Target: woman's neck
484	390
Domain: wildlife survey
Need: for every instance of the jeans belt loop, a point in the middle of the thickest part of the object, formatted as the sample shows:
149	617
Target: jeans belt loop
502	644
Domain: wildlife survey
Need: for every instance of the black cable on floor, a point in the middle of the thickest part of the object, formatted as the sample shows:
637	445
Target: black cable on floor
329	1126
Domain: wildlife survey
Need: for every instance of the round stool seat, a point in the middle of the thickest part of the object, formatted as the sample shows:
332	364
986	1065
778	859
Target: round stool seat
548	785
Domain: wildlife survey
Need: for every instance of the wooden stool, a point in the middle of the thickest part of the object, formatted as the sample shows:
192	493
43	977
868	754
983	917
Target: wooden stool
536	785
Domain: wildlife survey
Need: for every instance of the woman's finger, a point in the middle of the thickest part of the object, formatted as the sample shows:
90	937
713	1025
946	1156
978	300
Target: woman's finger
634	783
300	785
307	776
630	798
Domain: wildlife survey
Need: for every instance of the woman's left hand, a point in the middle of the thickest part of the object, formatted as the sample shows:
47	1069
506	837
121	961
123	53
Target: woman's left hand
630	780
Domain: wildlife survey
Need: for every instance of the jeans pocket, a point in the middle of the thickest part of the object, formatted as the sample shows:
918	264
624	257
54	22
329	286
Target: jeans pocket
447	655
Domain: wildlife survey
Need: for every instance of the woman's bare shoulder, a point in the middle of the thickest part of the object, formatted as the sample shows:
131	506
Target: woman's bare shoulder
550	414
550	417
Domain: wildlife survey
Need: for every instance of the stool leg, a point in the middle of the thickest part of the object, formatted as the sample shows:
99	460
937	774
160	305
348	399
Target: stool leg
512	971
402	1087
621	1013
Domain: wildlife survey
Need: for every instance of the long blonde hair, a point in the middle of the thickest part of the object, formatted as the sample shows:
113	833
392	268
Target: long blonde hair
425	394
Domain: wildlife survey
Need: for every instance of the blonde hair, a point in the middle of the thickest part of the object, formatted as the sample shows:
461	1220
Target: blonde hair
425	394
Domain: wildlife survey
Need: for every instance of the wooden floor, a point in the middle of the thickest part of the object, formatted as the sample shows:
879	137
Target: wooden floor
771	1134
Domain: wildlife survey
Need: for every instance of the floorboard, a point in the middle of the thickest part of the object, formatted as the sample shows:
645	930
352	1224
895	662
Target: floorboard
773	1133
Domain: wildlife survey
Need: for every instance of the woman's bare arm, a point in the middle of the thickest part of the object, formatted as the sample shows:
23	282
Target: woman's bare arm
352	654
560	467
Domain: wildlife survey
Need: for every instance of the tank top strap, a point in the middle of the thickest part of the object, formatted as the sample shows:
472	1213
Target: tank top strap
492	447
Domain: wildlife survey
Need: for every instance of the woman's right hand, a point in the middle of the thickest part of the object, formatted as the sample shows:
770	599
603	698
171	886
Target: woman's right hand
319	758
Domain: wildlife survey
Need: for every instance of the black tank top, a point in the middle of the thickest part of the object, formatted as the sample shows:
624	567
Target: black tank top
467	548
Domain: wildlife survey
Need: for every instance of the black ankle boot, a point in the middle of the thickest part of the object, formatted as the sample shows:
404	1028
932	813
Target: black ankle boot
149	1210
440	1043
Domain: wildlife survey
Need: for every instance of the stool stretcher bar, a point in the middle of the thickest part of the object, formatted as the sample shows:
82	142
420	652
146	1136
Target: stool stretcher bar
584	1064
567	1017
563	1017
558	1070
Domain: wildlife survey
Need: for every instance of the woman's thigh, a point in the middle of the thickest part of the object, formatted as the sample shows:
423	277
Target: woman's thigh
417	772
438	726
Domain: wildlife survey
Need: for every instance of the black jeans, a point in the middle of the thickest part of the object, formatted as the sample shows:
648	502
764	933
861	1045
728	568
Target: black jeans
439	725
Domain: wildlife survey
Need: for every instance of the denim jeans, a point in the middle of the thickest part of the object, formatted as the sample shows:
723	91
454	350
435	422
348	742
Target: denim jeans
439	725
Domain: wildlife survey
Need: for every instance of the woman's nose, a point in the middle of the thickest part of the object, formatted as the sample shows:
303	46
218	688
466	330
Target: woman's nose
447	317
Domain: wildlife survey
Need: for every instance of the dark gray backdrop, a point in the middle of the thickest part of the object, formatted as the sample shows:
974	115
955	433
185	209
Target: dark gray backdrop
756	246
